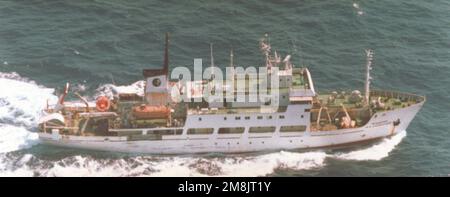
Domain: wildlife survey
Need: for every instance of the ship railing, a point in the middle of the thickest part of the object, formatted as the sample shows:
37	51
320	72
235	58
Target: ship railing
397	95
386	93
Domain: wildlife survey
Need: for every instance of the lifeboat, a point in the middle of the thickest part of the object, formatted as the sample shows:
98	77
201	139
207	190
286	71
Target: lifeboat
151	112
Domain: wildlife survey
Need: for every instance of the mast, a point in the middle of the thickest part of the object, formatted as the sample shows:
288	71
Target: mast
369	58
212	57
231	59
166	55
265	49
212	60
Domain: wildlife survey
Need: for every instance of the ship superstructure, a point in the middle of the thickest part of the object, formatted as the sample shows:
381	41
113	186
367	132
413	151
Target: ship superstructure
160	123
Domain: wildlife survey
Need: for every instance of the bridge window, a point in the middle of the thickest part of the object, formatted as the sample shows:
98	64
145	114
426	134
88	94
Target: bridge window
281	117
247	117
237	118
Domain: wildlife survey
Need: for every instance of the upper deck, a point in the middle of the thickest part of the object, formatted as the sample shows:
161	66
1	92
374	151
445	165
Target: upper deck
391	99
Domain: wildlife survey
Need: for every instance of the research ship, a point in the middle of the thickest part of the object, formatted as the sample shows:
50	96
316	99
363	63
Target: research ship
155	122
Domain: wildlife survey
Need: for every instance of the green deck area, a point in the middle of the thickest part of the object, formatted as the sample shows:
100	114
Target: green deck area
391	100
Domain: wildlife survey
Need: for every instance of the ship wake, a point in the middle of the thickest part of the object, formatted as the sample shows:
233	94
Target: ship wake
14	164
21	101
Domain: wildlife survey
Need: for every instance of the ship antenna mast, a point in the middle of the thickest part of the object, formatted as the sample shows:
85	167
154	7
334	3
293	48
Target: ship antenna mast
166	55
212	60
265	48
231	58
369	58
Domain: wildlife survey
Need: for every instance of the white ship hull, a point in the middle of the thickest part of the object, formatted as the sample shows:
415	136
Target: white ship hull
380	125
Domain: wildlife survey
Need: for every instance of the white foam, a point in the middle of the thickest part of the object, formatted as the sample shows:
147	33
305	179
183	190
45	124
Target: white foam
14	138
21	103
111	90
358	9
253	165
375	152
82	166
240	166
7	168
266	164
165	166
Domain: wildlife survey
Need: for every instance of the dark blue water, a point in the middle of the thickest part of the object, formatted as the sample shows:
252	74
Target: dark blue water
92	43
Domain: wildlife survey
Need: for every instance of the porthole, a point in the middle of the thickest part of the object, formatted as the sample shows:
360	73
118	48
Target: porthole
156	82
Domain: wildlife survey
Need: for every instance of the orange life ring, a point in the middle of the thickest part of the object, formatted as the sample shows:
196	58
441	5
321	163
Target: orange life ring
102	104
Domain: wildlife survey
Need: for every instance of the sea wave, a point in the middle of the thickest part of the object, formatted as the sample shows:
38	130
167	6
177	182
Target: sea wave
111	90
182	166
21	103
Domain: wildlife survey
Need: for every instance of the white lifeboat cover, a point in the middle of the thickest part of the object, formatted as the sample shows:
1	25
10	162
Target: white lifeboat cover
53	116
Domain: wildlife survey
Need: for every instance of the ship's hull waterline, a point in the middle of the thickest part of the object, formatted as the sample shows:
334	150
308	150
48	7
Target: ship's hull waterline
380	125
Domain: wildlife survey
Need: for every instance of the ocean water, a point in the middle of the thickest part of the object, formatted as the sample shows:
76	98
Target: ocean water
100	45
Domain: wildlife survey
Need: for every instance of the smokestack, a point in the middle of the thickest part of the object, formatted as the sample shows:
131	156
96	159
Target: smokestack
165	69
